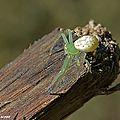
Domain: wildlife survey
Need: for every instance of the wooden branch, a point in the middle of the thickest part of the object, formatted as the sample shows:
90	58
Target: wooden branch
24	82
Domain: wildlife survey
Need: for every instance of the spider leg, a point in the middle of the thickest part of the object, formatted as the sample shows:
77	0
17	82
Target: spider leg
78	65
63	70
70	36
87	62
64	38
88	65
78	60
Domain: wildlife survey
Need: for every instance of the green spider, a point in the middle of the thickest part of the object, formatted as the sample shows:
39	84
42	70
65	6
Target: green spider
75	51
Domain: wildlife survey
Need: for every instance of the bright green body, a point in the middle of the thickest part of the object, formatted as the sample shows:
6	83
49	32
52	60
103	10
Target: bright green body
71	51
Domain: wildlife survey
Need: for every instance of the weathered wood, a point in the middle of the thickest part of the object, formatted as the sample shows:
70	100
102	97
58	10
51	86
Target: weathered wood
24	82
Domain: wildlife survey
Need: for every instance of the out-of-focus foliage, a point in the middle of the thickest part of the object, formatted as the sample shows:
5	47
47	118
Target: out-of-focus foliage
22	22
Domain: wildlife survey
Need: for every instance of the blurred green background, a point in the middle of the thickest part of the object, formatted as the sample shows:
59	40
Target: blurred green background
22	22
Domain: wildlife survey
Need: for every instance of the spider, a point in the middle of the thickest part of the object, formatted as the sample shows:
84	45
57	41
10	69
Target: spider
75	51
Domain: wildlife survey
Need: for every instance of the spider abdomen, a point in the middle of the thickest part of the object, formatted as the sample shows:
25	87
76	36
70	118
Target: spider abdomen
87	43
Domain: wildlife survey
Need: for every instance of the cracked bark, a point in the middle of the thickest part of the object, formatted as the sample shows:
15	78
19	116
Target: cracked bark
25	81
